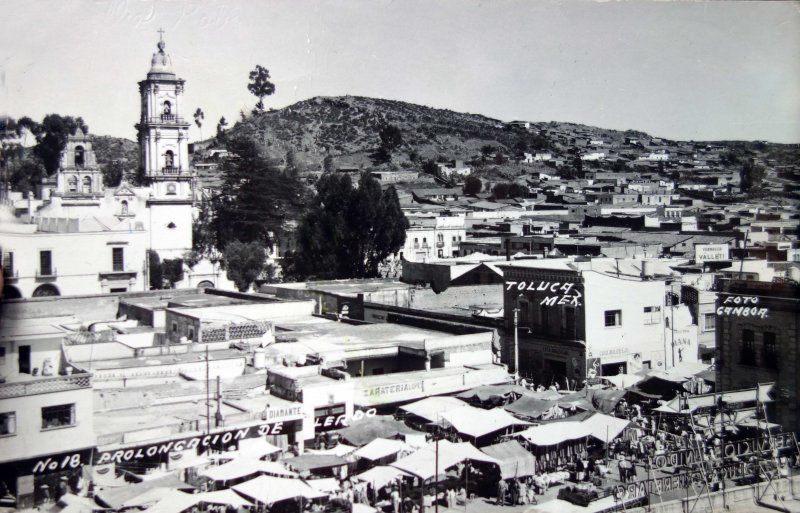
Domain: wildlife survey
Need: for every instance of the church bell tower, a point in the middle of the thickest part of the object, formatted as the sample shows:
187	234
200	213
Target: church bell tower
163	136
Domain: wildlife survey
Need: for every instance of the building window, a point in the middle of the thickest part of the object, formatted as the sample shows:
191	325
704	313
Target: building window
124	207
709	322
2	356
652	314
87	185
7	264
8	423
613	318
72	184
174	327
747	354
169	159
416	243
191	334
58	416
46	263
167	109
770	350
118	259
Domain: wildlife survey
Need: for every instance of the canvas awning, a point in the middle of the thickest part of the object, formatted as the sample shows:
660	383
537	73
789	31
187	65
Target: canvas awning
337	450
477	422
432	408
423	463
623	380
555	433
530	407
269	489
491	392
364	431
243	467
515	460
605	427
380	476
381	448
225	497
257	447
315	461
173	502
326	485
140	494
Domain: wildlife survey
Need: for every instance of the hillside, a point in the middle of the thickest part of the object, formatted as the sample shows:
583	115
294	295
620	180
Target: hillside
347	129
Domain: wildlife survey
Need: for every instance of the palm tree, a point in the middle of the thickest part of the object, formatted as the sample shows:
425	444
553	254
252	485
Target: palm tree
199	116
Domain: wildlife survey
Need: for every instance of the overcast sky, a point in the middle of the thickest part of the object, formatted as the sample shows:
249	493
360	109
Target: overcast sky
682	70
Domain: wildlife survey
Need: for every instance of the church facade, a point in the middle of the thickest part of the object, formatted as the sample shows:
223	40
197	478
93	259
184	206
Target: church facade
61	240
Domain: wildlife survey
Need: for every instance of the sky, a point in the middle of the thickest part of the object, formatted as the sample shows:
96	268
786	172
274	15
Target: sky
680	70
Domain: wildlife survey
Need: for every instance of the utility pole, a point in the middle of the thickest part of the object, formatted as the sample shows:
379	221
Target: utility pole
208	398
218	414
516	344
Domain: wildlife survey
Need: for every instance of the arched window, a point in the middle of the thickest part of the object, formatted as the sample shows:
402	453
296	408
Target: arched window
167	111
79	156
11	292
46	290
72	184
87	184
169	159
205	284
124	207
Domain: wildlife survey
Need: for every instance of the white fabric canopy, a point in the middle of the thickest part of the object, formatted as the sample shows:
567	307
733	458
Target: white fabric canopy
380	476
363	508
423	462
478	422
555	433
338	450
624	380
173	502
381	448
242	467
432	408
605	427
326	485
257	448
226	497
269	490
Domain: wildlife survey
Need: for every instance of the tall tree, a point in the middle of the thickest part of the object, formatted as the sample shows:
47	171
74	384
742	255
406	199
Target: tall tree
500	191
751	176
245	262
112	173
51	136
348	231
391	138
199	116
25	177
155	270
256	199
260	85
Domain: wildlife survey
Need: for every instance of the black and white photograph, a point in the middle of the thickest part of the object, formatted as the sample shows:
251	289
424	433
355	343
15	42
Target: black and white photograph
399	256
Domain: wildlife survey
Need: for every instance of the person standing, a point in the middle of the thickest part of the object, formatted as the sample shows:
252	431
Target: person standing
395	496
502	488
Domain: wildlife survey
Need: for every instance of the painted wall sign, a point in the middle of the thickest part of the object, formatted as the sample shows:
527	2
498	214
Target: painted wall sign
329	422
194	442
711	252
742	306
384	391
57	462
274	414
558	293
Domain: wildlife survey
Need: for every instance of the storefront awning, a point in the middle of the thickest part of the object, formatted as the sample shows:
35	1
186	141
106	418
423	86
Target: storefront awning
515	460
269	490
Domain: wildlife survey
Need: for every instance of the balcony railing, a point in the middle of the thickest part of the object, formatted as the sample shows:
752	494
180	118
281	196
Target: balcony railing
171	170
46	273
46	385
166	118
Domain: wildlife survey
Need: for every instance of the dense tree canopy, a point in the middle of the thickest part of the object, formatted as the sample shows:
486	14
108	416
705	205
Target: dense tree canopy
51	136
348	231
245	263
751	176
254	203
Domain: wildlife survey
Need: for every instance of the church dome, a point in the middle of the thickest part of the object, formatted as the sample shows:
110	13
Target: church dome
161	64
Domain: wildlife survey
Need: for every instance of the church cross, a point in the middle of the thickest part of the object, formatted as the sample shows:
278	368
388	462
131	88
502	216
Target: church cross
161	34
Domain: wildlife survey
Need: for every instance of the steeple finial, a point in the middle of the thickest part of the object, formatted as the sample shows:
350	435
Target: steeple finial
161	43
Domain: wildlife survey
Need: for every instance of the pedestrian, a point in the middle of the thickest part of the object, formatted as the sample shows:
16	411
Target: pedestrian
395	496
502	488
523	492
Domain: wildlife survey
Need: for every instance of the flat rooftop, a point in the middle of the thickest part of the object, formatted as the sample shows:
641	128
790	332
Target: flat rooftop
198	355
342	287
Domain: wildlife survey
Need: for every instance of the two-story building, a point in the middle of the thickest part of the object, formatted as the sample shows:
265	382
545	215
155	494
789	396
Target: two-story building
431	239
579	318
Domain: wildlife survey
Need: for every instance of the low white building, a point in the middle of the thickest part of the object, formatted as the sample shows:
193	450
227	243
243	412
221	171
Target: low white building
432	239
